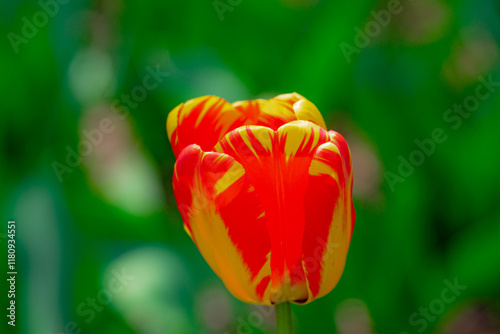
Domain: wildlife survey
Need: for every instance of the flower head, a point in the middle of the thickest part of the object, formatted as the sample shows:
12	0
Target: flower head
265	192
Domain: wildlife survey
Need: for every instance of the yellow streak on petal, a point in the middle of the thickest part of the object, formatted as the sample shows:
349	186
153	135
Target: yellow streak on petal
244	136
293	136
293	97
265	111
227	115
217	148
233	174
172	121
320	166
213	241
316	137
337	246
264	271
279	109
303	108
250	109
212	100
298	133
306	110
215	245
263	135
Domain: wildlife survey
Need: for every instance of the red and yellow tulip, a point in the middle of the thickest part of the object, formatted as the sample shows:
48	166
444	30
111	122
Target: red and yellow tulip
265	192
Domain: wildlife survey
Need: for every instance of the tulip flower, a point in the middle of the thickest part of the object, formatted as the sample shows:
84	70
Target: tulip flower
265	193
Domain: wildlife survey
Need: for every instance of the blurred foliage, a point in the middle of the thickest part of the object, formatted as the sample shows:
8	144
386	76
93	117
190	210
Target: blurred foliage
112	209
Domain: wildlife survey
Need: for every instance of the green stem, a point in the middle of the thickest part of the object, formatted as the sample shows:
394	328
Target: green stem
283	319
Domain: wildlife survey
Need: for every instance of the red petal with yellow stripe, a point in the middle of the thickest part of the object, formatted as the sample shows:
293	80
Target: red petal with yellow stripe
330	216
225	218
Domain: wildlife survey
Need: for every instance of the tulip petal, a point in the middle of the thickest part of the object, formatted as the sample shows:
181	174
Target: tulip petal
203	121
225	218
330	216
271	113
303	108
277	164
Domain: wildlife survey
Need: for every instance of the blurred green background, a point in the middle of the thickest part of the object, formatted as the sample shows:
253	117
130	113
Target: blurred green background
86	164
